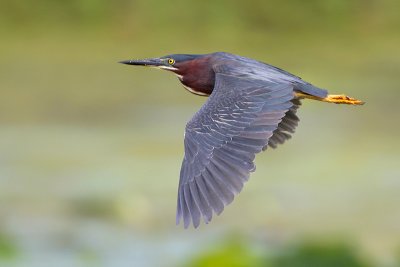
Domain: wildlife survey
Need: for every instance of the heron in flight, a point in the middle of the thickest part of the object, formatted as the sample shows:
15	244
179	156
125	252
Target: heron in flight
251	106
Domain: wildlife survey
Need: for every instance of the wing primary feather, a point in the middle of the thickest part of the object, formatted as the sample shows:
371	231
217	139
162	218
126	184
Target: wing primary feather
222	186
192	206
243	147
240	154
231	160
203	205
216	203
286	127
179	209
236	156
185	211
232	174
213	186
256	143
206	193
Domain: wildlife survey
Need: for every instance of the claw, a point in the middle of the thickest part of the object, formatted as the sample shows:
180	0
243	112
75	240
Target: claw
343	99
337	99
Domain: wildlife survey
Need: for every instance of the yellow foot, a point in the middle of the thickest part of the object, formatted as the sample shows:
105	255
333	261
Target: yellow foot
342	99
337	99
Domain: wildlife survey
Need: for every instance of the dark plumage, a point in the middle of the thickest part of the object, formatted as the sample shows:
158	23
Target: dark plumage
252	106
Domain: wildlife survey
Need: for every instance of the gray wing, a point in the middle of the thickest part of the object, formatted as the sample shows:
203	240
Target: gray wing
286	127
221	141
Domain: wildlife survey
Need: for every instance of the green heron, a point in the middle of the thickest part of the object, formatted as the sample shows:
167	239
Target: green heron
252	106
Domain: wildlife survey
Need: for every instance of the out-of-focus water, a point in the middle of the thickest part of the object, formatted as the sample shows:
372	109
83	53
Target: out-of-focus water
73	194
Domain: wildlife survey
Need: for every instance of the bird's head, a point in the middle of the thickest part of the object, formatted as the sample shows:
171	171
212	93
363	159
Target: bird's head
194	71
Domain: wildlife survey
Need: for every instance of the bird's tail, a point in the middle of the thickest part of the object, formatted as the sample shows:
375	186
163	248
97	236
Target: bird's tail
337	99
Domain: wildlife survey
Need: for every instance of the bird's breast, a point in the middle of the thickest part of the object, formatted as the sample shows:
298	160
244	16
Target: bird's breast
196	87
195	91
199	84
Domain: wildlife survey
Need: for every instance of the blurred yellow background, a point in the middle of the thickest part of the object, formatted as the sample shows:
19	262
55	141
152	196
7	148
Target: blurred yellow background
90	150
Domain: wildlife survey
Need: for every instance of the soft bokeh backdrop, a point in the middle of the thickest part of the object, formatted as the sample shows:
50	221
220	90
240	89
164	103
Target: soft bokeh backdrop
90	150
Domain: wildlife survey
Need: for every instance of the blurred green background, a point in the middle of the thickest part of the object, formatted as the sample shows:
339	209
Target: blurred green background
90	150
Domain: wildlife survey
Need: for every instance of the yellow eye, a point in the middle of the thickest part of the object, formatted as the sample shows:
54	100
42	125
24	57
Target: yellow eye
171	61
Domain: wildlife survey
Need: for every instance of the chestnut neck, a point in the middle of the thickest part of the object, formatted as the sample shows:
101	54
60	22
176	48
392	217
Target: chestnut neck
197	75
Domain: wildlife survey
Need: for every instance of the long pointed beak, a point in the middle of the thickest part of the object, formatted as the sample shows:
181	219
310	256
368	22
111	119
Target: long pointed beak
151	62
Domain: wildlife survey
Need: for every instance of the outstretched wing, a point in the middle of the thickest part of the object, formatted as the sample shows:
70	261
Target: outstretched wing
286	127
221	141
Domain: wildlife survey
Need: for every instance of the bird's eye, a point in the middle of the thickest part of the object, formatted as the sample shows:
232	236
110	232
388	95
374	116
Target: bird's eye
171	61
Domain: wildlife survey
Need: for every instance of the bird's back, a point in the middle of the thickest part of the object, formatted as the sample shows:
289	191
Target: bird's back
248	68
